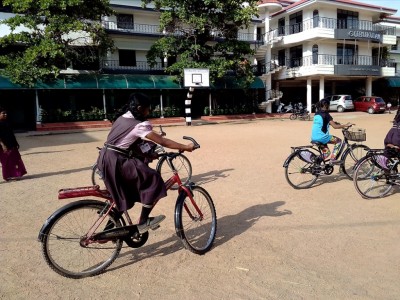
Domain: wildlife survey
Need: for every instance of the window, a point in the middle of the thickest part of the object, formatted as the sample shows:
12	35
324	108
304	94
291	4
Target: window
281	26
347	54
296	22
281	58
296	56
315	54
347	19
4	8
127	58
315	18
125	21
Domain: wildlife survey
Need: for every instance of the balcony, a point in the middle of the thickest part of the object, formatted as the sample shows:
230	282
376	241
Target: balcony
332	25
140	67
337	65
132	28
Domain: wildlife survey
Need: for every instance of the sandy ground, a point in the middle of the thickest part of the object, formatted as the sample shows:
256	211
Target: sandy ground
273	242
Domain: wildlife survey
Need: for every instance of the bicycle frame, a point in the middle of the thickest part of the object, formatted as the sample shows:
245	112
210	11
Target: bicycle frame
110	204
345	145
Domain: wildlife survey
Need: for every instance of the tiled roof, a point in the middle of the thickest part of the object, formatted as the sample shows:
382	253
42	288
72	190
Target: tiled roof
356	3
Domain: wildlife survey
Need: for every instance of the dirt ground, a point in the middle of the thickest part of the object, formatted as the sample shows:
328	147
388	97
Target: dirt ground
273	242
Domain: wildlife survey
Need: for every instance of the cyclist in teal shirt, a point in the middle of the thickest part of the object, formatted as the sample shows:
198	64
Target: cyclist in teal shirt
320	131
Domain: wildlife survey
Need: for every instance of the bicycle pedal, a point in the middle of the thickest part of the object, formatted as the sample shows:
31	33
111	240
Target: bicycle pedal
155	227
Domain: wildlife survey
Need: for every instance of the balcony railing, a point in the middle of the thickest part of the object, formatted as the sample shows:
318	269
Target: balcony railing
329	23
139	66
325	59
132	27
135	28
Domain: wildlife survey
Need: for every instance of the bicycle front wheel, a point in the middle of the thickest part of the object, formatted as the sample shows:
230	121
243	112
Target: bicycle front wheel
350	158
300	174
182	166
196	221
370	180
62	245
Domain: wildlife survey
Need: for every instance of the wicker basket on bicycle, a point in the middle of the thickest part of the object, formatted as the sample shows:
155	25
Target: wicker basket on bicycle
356	134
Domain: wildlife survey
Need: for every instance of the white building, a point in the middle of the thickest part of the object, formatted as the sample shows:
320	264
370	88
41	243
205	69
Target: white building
304	50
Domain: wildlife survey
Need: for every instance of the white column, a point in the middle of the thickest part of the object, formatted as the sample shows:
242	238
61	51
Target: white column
309	93
161	106
368	86
321	88
38	109
210	102
104	105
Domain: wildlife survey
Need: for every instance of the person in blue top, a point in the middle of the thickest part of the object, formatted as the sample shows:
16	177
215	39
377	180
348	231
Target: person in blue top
320	131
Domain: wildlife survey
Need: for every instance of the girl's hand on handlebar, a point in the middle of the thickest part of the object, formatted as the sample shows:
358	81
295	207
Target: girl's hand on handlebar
189	147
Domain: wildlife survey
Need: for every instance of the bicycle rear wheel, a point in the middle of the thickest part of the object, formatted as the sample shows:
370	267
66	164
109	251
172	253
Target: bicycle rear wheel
97	177
61	244
370	180
350	158
196	221
181	164
299	173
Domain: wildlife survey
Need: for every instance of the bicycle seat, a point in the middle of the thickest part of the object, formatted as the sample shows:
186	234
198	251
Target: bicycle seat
318	143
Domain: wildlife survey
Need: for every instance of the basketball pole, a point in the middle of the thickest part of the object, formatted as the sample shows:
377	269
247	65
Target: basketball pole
188	103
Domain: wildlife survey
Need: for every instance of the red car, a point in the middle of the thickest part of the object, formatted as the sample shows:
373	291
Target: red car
370	104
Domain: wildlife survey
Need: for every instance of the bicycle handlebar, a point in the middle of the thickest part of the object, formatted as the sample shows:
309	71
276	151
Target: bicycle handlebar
196	144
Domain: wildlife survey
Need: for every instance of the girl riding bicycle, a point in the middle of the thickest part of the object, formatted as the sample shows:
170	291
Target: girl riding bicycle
392	141
128	178
320	131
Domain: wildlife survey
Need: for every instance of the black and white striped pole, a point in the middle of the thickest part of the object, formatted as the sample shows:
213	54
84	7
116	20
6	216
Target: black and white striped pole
188	103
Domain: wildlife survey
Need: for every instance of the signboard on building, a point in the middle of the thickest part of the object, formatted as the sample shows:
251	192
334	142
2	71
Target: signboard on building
357	70
356	34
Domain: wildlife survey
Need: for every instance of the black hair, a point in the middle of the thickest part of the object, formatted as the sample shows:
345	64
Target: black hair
2	109
135	100
324	102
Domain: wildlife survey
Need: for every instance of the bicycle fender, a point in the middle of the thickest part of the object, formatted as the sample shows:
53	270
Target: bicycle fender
179	201
286	163
50	220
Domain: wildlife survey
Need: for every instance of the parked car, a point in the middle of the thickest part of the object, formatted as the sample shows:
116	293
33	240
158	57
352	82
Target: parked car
370	104
340	103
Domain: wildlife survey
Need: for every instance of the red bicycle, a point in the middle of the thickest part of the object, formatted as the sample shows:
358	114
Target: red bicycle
84	237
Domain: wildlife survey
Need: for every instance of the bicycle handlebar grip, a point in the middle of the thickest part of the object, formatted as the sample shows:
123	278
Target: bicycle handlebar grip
196	145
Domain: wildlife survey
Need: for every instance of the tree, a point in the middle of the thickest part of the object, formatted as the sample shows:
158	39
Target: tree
203	34
48	35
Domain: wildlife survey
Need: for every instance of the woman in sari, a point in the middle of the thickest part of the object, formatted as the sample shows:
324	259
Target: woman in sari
12	166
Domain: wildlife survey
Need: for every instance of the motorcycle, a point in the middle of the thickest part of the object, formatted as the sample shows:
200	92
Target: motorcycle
300	112
282	109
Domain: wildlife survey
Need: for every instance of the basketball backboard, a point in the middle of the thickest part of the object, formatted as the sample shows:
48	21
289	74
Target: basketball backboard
196	77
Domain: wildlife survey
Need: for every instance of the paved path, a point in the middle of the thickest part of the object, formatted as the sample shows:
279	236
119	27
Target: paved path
273	242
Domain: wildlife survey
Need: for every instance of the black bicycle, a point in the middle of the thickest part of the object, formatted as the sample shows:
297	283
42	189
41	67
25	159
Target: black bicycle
306	163
180	162
377	173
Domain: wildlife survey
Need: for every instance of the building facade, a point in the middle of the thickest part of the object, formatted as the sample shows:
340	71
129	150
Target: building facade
304	51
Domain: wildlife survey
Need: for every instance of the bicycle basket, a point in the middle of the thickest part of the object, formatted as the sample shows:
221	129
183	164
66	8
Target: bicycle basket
356	134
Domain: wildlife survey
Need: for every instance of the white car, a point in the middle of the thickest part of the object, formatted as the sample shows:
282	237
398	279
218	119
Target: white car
340	103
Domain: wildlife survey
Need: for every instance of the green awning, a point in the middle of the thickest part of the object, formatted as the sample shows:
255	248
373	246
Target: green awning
6	83
112	82
394	82
127	81
167	82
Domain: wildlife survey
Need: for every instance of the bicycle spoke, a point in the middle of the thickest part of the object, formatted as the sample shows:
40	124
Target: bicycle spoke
65	251
371	181
299	173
